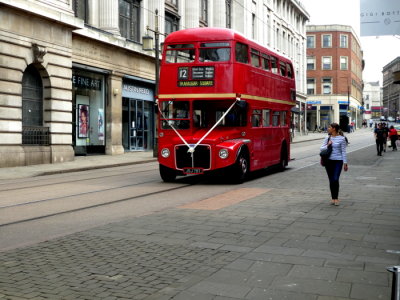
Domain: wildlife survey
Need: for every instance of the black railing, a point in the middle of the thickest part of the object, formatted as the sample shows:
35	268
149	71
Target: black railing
35	135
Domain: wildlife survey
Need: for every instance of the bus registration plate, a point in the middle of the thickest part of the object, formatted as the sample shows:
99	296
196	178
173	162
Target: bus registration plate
193	171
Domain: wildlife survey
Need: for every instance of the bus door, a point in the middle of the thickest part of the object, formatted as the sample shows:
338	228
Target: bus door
258	139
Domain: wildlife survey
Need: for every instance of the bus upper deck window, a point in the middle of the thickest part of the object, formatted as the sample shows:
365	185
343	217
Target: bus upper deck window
255	58
282	69
181	53
242	53
274	64
214	52
265	62
289	70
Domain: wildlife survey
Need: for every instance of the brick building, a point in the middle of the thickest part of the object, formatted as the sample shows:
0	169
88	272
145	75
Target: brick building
334	76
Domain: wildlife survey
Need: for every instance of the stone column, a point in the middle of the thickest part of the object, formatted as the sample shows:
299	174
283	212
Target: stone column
108	16
219	13
192	14
114	116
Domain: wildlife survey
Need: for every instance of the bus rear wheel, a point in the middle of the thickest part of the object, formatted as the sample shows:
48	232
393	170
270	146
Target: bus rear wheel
167	174
284	159
240	169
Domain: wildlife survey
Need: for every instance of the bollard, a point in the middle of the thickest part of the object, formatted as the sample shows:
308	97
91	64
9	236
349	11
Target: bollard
396	282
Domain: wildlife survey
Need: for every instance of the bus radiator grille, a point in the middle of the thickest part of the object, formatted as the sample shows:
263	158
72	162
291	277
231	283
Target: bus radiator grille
201	155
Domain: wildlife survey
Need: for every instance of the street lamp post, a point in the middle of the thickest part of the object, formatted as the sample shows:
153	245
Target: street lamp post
147	45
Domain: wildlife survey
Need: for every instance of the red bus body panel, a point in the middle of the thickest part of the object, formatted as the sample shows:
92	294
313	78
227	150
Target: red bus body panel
261	89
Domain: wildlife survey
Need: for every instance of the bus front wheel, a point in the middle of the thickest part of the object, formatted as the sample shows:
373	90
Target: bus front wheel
240	169
167	174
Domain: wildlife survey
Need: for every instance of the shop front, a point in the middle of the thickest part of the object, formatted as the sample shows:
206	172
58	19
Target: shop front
137	114
88	112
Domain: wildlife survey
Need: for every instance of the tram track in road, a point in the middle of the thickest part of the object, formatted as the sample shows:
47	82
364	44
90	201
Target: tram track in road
87	207
30	182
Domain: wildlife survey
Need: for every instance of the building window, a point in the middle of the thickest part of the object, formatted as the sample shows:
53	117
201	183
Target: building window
172	2
310	62
171	23
310	86
228	13
204	11
327	86
326	63
80	8
310	41
129	19
253	26
343	63
343	41
326	41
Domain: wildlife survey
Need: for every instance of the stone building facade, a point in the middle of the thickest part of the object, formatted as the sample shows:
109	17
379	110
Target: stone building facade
334	76
372	94
391	89
75	78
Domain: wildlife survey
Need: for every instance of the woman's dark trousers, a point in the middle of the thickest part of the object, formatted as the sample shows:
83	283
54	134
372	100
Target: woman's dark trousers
333	169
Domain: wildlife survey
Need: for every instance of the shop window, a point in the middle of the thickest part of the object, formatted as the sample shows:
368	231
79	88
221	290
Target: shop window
129	19
33	132
89	115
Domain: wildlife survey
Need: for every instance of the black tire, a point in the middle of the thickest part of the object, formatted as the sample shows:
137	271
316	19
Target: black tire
167	174
240	169
283	162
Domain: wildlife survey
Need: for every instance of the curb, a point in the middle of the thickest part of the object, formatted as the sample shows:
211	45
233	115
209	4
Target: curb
62	171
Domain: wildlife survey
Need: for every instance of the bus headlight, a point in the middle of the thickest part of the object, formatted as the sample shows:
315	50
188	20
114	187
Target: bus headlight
165	152
223	153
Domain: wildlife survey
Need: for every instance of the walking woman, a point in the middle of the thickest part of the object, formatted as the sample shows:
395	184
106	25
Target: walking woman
337	160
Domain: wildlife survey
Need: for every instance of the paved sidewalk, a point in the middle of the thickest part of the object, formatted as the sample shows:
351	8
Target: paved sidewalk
82	163
285	242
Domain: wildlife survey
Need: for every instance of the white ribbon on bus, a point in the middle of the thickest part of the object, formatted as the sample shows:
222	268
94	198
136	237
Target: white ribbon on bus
191	148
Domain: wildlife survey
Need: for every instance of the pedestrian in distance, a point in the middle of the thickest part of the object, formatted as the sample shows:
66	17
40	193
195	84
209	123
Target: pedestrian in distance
336	161
386	135
379	139
393	137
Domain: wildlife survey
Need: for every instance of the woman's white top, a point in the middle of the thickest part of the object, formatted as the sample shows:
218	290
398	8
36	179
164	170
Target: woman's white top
339	145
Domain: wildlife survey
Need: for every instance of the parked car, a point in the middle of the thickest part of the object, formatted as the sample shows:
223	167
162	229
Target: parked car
391	119
382	118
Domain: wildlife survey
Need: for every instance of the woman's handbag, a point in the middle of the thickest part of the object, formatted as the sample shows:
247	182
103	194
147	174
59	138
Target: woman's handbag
325	153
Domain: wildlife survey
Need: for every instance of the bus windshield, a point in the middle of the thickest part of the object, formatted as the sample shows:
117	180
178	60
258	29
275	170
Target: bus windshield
175	113
183	53
214	52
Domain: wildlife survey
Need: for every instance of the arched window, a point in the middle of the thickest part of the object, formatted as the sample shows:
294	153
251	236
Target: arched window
33	132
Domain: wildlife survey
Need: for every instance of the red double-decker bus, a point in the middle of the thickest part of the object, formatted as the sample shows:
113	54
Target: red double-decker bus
224	104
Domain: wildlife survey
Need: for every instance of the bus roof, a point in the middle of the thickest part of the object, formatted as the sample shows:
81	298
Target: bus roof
213	34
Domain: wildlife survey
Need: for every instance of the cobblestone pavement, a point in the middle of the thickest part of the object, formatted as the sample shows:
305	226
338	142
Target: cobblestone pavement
285	243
